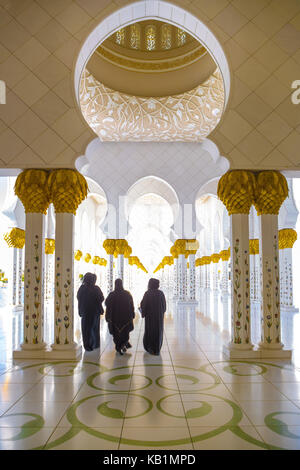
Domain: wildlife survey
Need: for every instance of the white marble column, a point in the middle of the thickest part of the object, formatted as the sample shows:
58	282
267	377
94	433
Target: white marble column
48	276
240	294
207	275
287	264
31	188
182	278
254	269
225	277
20	299
257	274
110	273
192	279
236	189
33	338
121	267
201	275
67	189
14	280
269	259
64	344
215	265
176	279
271	191
286	240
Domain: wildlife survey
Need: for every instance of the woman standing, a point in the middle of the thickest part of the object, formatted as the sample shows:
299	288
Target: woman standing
90	308
153	307
120	315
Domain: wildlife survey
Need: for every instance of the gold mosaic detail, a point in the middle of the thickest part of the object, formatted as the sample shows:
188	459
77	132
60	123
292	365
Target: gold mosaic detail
115	116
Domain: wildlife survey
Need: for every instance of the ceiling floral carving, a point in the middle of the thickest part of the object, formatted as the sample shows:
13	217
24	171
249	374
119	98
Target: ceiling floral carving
115	116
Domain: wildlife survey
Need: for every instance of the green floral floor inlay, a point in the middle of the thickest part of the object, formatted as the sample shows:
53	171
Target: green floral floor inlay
126	395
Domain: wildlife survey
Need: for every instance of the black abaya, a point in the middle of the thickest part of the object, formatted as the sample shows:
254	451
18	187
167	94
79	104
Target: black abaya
153	307
90	308
120	315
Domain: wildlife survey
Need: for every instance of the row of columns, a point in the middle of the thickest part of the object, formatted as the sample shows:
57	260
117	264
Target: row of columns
183	256
209	269
238	190
66	189
16	239
118	248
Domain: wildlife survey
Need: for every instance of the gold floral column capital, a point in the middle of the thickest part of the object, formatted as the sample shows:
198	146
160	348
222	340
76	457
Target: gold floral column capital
67	189
271	191
286	238
49	246
78	255
236	190
225	255
215	257
206	260
180	245
254	246
121	245
169	260
87	258
31	188
174	251
192	246
128	251
15	238
109	245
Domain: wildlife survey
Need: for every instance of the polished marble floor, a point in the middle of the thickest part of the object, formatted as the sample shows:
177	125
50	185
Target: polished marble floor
189	397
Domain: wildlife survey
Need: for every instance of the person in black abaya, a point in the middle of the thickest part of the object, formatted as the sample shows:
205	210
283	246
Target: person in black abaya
90	308
119	316
153	307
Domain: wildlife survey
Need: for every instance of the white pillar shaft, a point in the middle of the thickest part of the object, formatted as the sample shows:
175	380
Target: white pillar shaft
286	278
207	276
215	276
121	267
192	277
252	277
64	283
182	274
225	277
110	274
34	282
240	293
20	274
257	275
201	275
269	255
175	281
14	283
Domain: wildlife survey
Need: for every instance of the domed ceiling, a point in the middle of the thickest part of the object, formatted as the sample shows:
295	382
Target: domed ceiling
151	81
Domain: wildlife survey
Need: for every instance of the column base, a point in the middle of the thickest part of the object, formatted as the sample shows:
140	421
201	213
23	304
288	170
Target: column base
289	309
17	308
186	302
49	353
256	353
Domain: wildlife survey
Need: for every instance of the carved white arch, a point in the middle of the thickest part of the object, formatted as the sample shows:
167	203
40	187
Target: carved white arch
154	185
157	10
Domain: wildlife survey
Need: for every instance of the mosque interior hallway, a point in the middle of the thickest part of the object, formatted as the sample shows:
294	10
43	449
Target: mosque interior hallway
190	397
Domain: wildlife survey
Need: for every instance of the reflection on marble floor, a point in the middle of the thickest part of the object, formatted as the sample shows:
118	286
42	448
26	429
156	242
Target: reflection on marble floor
189	397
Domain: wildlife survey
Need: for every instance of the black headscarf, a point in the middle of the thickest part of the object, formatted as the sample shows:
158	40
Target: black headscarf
119	308
119	284
153	283
90	296
89	279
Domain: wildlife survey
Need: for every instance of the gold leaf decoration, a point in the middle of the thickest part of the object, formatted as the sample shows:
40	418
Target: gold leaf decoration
115	116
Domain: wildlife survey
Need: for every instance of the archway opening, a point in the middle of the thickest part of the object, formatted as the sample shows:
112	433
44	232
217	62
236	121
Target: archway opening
152	72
